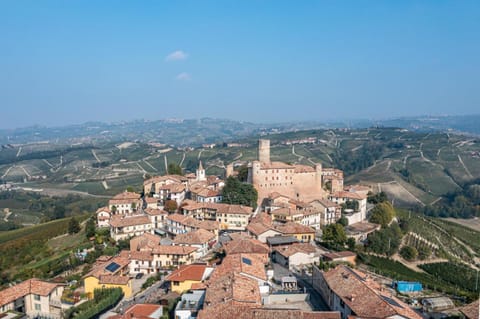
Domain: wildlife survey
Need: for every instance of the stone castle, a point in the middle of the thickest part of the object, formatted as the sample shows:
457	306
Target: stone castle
300	182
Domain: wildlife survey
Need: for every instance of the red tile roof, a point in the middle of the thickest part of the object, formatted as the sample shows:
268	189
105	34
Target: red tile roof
114	279
196	237
31	286
127	195
229	310
145	241
289	250
471	311
291	228
173	250
245	245
363	296
125	221
249	264
188	272
139	311
155	212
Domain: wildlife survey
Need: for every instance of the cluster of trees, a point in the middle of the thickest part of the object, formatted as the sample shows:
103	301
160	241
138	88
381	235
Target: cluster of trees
385	241
382	214
411	253
174	169
236	192
463	203
377	198
50	208
352	162
334	237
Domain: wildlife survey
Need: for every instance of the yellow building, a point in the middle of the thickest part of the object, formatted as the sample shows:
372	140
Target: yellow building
301	232
109	272
185	276
108	281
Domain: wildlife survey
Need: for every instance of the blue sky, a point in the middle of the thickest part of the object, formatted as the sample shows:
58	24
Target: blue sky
64	62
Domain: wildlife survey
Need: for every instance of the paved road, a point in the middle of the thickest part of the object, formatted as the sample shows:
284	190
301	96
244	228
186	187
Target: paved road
149	295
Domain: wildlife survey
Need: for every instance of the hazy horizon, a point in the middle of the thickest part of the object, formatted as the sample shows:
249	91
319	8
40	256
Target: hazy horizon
264	62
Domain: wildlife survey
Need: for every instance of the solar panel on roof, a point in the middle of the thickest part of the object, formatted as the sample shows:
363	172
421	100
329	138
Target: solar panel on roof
112	267
246	261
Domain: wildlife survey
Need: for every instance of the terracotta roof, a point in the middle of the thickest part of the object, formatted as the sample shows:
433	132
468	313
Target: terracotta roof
471	311
127	196
289	250
114	279
144	241
229	310
179	218
155	212
141	255
286	212
245	245
206	224
150	200
219	208
173	188
250	264
188	272
173	250
124	221
363	296
339	255
140	311
31	286
264	313
350	195
263	218
232	287
100	266
103	209
173	178
257	228
206	192
294	228
196	237
324	202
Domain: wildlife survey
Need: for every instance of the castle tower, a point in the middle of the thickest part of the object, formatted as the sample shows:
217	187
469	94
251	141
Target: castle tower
264	151
318	174
229	170
200	173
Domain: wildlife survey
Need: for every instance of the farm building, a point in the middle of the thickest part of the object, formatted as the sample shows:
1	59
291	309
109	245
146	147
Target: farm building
407	286
437	304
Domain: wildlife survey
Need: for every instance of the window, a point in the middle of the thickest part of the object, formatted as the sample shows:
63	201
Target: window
36	297
176	283
38	307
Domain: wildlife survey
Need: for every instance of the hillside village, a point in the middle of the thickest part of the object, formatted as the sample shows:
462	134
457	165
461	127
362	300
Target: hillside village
226	260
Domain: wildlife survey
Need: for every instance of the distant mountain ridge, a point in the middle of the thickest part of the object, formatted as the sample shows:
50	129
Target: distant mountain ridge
195	132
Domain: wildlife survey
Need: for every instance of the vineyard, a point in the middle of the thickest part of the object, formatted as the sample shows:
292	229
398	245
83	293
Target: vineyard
448	247
455	274
398	271
28	248
466	235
